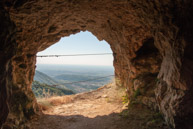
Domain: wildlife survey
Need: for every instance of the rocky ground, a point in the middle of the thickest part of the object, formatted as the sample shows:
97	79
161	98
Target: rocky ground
100	109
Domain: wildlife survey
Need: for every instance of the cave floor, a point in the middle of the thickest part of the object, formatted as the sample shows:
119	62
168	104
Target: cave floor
100	109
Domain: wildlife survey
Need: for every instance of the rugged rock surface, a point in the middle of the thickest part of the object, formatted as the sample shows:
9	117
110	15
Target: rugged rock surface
151	40
6	53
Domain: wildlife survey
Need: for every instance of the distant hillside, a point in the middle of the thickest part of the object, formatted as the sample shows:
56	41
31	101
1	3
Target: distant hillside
73	77
43	78
43	86
43	90
86	76
89	85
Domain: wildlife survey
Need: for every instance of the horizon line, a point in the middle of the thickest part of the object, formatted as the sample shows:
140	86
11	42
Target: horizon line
73	64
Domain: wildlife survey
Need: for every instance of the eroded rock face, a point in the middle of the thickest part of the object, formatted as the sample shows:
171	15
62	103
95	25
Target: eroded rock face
151	41
144	70
7	44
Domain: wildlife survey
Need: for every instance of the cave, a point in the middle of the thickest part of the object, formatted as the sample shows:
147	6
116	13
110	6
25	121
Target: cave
131	27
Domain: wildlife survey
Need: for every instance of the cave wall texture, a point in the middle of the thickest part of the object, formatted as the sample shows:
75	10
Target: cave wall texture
152	41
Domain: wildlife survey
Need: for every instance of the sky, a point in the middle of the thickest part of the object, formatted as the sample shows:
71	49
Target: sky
80	43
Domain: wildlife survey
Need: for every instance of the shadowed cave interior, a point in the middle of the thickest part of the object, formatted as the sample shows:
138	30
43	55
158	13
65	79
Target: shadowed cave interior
152	42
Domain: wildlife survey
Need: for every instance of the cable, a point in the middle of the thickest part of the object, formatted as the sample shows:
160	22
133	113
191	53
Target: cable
74	55
83	81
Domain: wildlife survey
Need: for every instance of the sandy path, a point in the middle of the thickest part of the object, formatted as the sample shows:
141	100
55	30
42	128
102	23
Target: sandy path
99	109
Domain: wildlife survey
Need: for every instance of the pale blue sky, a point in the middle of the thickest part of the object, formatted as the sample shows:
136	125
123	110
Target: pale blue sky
80	43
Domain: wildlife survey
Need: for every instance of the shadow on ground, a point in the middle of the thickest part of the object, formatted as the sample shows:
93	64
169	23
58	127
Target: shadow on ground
126	120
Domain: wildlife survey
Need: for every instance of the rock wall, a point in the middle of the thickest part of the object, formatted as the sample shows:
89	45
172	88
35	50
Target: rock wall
151	41
7	51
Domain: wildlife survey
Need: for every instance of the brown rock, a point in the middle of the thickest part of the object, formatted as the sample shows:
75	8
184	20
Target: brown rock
147	37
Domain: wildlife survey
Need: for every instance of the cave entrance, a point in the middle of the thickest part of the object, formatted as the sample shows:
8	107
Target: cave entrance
89	69
78	63
31	26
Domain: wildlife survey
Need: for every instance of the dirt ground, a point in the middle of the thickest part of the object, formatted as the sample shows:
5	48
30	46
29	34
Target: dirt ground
100	109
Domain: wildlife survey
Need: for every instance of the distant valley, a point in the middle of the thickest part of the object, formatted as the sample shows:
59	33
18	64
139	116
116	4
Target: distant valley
43	78
66	79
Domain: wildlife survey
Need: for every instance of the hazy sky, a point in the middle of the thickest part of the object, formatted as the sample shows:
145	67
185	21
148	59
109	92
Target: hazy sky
81	43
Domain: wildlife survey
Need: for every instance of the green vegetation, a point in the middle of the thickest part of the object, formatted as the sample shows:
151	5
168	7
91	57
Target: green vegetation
136	93
43	90
85	82
125	99
63	80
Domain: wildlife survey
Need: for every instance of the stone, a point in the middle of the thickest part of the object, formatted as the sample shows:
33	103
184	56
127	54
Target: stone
147	37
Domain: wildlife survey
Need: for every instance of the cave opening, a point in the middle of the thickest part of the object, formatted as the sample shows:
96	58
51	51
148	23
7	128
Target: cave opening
76	64
87	82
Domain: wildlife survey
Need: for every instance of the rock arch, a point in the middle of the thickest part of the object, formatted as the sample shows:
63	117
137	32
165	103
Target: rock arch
29	26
